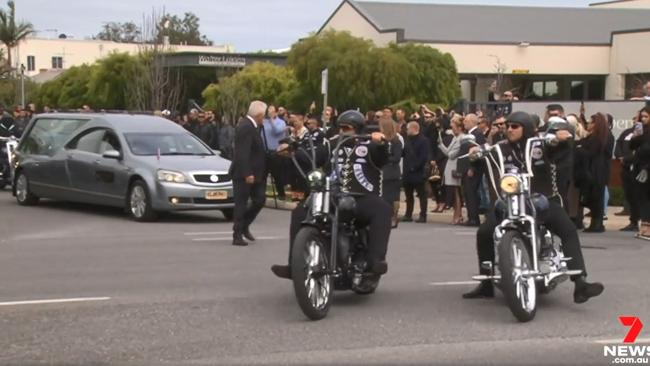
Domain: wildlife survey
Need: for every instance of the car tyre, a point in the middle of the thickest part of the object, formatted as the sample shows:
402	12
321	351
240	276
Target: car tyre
24	196
228	213
139	203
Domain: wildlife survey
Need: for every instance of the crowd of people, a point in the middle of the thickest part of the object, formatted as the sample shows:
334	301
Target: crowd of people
425	152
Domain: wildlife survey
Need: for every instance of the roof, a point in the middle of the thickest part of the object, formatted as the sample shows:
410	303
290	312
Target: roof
48	75
124	123
446	23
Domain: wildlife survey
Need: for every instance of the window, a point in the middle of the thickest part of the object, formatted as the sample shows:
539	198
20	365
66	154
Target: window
48	135
57	62
577	90
31	63
596	89
151	144
109	142
88	141
545	90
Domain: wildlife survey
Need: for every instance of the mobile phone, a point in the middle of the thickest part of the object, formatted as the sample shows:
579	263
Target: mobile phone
638	127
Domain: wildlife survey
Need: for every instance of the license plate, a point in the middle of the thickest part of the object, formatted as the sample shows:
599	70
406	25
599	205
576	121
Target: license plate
216	195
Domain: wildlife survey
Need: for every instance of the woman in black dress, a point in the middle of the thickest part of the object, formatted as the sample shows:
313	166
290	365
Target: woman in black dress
391	172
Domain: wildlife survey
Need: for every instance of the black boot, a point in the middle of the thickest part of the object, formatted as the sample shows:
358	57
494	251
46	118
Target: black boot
281	271
585	290
484	290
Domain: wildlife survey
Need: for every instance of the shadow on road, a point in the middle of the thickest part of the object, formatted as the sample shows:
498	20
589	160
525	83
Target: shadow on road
208	217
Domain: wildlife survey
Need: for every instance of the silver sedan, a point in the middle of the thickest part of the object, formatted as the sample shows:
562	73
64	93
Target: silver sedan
144	164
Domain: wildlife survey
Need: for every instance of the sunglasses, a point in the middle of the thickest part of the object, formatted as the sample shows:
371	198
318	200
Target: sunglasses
513	126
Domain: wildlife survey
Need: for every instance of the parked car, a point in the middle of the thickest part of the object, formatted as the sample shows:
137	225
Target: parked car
144	164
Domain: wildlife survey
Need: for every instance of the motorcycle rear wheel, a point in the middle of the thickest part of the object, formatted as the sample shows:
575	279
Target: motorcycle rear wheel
520	292
312	284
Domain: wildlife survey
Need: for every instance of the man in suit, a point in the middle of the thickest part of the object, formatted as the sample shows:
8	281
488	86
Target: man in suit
248	172
472	172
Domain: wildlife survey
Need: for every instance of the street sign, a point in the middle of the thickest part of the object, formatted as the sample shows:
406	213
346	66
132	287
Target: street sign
324	80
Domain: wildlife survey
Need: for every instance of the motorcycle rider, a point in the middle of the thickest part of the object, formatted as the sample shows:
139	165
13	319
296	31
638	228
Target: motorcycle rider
520	129
7	124
360	163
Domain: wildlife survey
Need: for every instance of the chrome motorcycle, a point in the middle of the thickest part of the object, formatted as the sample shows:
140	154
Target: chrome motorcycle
7	147
528	258
329	251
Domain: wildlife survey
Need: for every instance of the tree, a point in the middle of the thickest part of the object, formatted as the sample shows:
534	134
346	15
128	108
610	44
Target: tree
11	33
181	31
120	32
262	81
368	77
110	79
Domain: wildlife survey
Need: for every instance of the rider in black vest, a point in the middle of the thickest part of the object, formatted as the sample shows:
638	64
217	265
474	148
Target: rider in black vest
520	129
359	162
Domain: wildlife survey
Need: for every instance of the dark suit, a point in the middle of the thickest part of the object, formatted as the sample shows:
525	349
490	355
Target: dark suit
471	185
249	159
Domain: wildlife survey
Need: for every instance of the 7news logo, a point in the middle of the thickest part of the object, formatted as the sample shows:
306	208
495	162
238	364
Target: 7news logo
628	352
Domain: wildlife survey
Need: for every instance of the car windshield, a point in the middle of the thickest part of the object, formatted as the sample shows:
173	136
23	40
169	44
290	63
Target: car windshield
151	144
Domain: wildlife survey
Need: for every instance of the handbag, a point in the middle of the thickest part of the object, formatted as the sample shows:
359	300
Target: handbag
435	174
456	174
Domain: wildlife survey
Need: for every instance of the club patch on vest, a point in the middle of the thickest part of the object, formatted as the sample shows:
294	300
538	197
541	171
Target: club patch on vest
361	178
362	151
537	153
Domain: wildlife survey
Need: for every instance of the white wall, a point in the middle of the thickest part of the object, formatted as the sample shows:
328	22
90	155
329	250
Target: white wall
629	4
78	52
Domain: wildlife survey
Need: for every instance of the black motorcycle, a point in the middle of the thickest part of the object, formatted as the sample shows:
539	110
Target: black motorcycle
329	251
7	147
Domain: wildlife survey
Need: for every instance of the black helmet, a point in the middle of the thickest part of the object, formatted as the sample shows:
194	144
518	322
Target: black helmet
525	120
352	118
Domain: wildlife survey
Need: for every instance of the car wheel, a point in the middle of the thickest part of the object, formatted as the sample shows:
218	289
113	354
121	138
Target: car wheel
139	203
228	213
24	196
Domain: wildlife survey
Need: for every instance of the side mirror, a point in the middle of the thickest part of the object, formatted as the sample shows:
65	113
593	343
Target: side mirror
217	152
112	154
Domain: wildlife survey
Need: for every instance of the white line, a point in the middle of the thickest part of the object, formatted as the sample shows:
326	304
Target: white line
53	301
620	341
465	233
208	233
452	283
230	238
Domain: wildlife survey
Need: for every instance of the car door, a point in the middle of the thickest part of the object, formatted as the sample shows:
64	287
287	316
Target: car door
112	174
81	161
44	157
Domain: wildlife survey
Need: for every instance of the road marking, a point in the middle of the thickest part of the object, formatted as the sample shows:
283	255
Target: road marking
465	233
453	283
53	301
208	233
230	238
620	341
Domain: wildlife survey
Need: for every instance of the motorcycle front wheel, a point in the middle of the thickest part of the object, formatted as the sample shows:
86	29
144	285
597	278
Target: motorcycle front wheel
312	282
520	291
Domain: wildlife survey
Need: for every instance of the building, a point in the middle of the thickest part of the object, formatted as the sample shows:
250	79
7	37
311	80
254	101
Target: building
47	56
590	53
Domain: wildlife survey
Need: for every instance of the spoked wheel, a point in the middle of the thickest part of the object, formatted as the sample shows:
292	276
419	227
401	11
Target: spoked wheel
309	270
519	290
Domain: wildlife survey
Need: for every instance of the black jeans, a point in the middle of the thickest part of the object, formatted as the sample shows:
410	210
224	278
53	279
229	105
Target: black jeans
244	215
471	186
277	166
631	190
371	211
556	220
596	205
409	189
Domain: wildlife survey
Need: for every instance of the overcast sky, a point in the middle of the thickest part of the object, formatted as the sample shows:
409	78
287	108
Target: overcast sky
249	25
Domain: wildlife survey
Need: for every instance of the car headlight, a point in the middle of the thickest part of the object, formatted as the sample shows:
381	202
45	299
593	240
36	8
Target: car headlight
315	178
510	184
170	176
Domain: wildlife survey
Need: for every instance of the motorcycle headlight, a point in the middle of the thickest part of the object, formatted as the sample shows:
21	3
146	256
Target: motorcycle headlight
316	179
170	176
510	184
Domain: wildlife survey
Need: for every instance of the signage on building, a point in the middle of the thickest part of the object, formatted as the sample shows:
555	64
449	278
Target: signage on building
521	71
224	61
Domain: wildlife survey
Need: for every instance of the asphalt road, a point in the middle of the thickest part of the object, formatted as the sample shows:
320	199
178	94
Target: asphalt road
176	291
